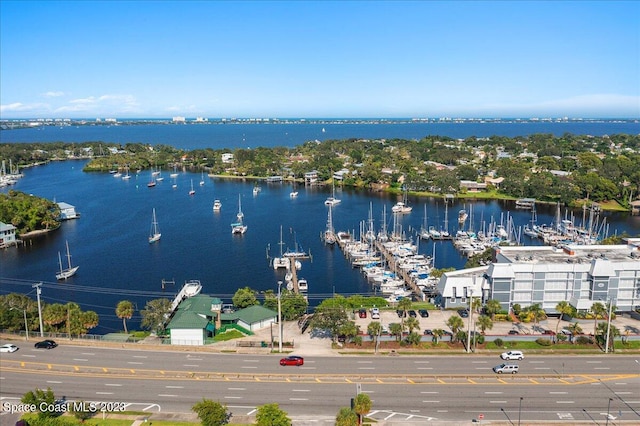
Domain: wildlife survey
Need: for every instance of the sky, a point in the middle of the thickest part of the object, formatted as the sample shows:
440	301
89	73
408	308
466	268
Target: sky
312	59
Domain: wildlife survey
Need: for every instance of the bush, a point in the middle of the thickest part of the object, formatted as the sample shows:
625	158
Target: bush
358	340
584	340
480	339
498	342
543	342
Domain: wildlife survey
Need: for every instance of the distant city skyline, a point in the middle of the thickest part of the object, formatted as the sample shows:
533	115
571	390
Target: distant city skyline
274	59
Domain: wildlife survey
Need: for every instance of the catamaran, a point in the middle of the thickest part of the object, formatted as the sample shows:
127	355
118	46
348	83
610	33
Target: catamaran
238	227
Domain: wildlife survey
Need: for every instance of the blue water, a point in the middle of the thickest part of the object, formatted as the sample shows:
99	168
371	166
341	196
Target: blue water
233	136
109	241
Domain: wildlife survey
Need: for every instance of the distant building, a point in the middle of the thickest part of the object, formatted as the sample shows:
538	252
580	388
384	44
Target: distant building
179	119
7	235
472	186
311	177
67	211
227	157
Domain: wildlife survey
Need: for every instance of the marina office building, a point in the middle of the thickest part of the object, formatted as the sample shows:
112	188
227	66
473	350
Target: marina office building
579	274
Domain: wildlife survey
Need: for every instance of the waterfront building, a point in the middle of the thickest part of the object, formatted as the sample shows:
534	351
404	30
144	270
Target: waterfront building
67	211
7	234
545	275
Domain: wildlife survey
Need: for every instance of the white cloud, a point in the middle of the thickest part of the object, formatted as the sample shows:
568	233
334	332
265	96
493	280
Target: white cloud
110	104
51	94
594	105
20	107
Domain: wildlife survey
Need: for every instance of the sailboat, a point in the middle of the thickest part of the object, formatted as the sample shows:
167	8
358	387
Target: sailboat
401	206
155	234
127	176
202	179
329	234
152	182
281	262
332	201
175	172
238	227
70	271
192	192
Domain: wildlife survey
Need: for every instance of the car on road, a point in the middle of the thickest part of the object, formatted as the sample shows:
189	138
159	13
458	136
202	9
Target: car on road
511	355
506	368
362	313
8	348
423	313
463	313
45	344
292	360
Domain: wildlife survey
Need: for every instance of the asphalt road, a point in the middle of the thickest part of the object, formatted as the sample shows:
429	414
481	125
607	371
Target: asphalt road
428	388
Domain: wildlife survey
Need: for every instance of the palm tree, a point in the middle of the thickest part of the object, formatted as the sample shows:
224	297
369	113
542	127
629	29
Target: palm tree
346	417
492	307
574	328
396	329
124	311
362	405
437	334
537	312
412	324
373	329
485	323
455	324
599	310
562	308
404	305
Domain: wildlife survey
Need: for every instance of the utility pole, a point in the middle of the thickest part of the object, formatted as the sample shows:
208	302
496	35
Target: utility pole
38	291
606	343
470	296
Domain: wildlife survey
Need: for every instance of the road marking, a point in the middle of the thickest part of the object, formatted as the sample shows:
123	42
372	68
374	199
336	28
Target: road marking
429	392
442	411
623	393
594	362
233	397
497	402
366	368
478	362
298	399
365	362
422	362
300	390
494	393
190	365
602	368
431	402
425	368
30	356
174	387
565	402
140	356
250	360
104	393
558	393
134	362
536	362
237	389
193	359
483	368
618	383
87	353
80	359
53	381
542	368
112	384
249	366
167	395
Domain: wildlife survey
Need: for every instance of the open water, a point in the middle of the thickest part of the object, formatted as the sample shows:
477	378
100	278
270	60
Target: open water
109	241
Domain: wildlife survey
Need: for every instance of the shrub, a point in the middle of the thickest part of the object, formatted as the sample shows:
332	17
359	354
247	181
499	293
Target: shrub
584	340
498	342
480	339
543	342
357	340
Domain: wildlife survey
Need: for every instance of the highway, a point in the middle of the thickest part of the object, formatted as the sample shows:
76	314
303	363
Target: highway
429	388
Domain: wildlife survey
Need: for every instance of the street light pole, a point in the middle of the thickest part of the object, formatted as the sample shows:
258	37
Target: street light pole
519	410
38	291
606	343
608	407
279	319
470	296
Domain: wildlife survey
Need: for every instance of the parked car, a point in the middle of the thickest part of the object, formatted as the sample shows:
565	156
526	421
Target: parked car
413	313
362	313
512	355
549	332
514	332
292	360
8	348
342	338
401	313
506	368
463	313
375	313
384	329
46	344
423	313
428	332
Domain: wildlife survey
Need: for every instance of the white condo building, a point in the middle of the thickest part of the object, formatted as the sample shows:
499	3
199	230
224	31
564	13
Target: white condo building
580	274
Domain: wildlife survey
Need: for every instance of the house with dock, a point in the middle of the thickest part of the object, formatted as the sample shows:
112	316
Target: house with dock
7	235
67	211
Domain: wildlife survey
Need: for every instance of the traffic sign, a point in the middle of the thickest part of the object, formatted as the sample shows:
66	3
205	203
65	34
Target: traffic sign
481	416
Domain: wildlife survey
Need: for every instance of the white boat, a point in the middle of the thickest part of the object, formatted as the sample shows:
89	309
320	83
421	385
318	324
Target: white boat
332	201
175	172
192	192
202	179
281	262
238	227
70	270
402	207
152	182
217	205
329	233
303	286
462	216
154	234
117	175
256	190
293	194
127	176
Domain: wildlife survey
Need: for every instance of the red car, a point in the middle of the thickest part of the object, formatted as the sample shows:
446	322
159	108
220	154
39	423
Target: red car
292	360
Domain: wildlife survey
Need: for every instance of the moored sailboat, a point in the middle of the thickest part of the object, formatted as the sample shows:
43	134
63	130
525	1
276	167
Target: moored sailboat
238	227
154	234
70	270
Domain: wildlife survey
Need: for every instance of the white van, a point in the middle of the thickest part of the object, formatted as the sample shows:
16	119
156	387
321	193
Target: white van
506	368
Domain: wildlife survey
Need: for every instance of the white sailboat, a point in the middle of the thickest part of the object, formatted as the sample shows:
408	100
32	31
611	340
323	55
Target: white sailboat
192	192
70	270
401	206
329	233
332	201
175	172
281	262
238	227
202	179
155	234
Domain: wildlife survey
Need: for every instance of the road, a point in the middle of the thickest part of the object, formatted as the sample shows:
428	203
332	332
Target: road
420	388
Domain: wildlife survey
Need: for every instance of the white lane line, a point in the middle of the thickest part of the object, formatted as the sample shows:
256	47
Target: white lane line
431	402
558	393
442	411
565	402
623	393
494	393
135	362
238	389
166	395
80	359
619	383
429	392
29	356
174	387
422	362
497	402
190	365
53	381
112	384
478	362
300	390
594	362
298	399
364	362
140	356
536	362
194	359
87	353
425	368
104	393
366	368
249	360
602	368
249	366
542	368
233	397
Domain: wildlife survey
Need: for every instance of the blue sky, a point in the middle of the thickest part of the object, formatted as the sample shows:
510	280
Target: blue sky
319	59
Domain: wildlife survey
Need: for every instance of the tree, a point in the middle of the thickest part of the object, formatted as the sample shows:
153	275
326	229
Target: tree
124	311
602	333
155	314
41	398
348	329
413	338
362	405
81	411
492	307
346	417
574	328
404	305
271	415
437	334
293	304
374	329
396	329
563	308
244	297
599	311
455	324
412	324
330	316
211	413
485	323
